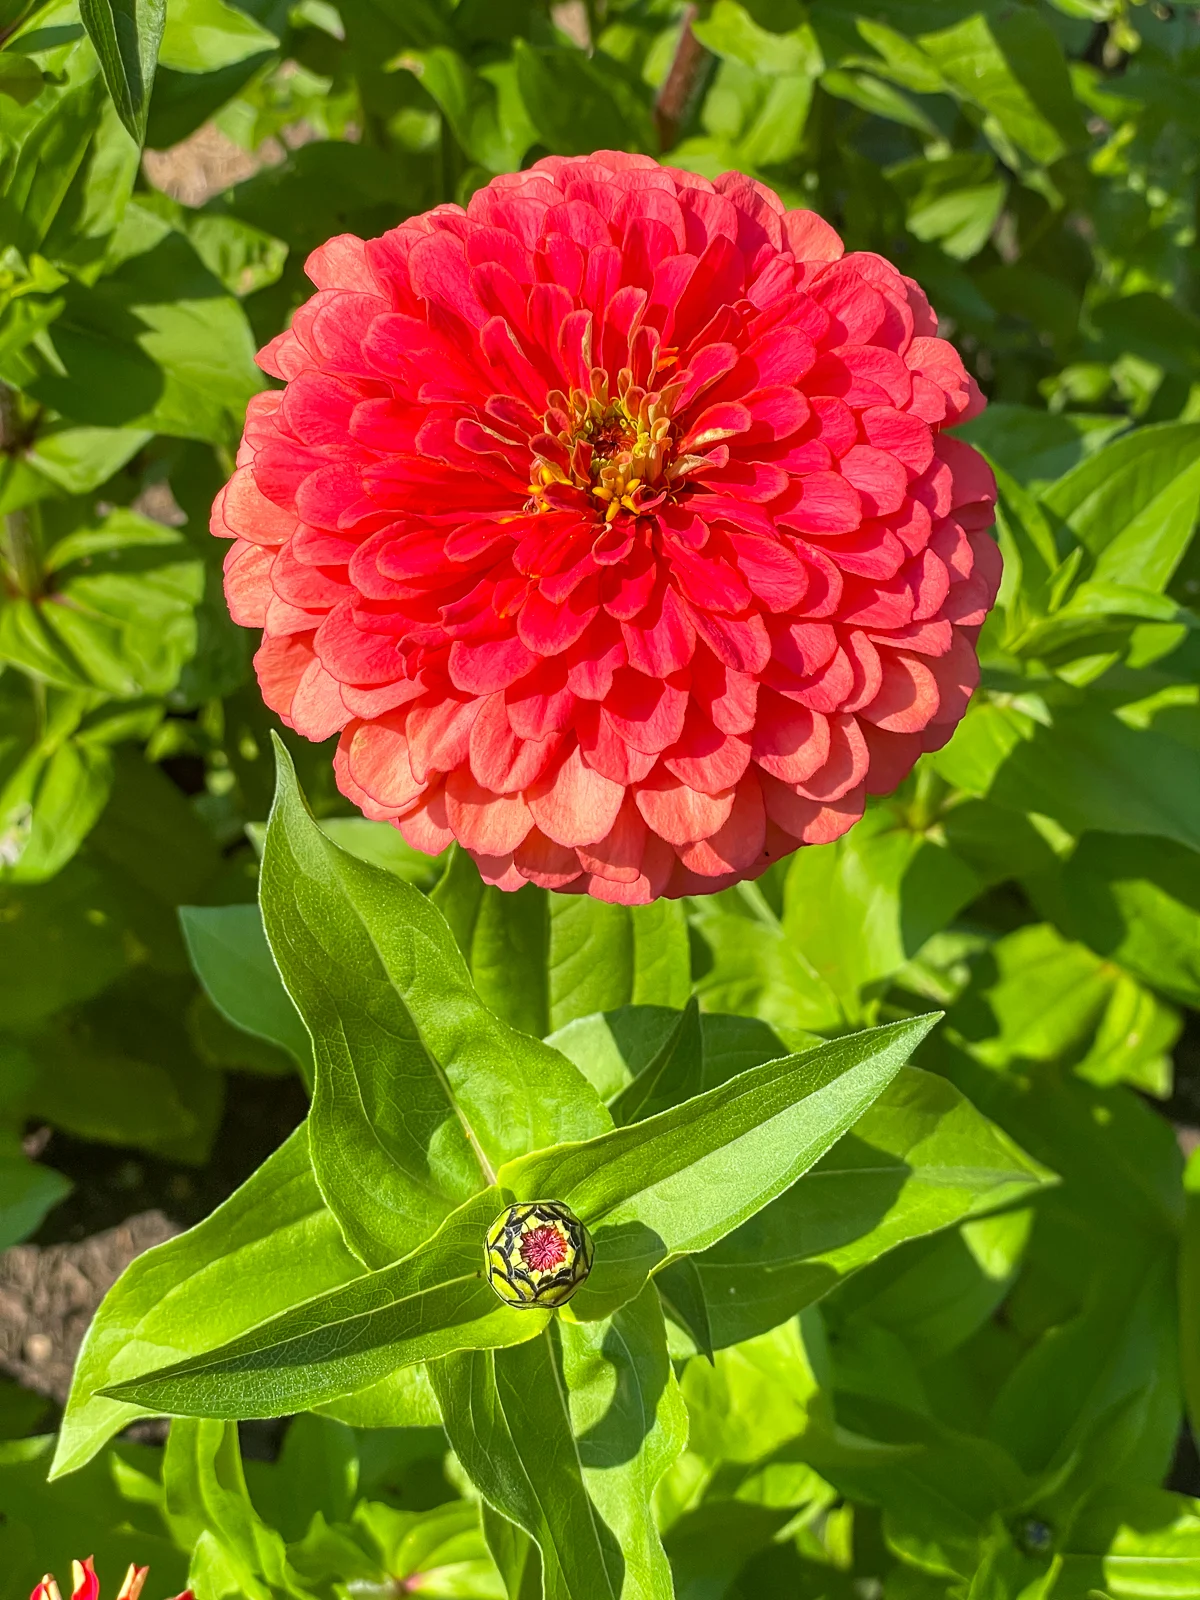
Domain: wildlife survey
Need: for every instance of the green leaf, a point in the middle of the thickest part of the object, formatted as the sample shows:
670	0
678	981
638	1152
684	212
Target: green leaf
861	907
678	1182
567	1436
122	604
126	34
231	957
384	846
1036	447
603	956
541	960
206	35
1137	901
271	1245
1089	769
20	78
675	1073
49	805
433	1302
483	107
210	1512
733	34
1135	1541
757	970
1133	505
613	1048
155	344
919	1160
81	459
421	1093
581	103
27	1192
1189	1291
1012	67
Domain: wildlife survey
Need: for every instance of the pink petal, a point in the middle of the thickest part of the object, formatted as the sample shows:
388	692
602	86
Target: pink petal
740	839
677	813
789	741
427	826
318	710
575	804
541	861
811	821
488	824
908	695
618	856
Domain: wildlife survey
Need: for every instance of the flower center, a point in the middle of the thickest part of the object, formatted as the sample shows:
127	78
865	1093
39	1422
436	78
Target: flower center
543	1248
617	448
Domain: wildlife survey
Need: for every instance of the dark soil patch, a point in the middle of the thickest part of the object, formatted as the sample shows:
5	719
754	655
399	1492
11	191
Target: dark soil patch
114	1182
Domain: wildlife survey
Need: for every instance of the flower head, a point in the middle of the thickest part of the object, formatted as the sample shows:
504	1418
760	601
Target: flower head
86	1586
612	524
537	1254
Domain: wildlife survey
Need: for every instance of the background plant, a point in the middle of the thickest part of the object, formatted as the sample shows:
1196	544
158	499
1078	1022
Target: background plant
983	1392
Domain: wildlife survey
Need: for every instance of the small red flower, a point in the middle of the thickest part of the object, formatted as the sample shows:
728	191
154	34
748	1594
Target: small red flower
542	1249
86	1586
612	524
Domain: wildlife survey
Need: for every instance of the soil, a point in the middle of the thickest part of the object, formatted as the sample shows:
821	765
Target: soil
124	1201
48	1295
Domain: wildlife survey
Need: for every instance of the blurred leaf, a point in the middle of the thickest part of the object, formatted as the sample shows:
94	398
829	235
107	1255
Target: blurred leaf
1037	447
206	35
1133	505
1138	901
581	103
484	108
231	957
27	1192
155	343
1012	67
20	78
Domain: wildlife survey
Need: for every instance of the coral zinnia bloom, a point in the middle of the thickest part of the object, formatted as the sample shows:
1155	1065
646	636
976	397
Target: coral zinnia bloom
611	523
86	1586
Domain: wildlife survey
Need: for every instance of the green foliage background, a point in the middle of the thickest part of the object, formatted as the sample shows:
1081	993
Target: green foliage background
982	1403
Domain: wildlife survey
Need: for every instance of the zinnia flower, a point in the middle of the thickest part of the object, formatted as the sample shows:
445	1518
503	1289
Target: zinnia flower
612	524
86	1586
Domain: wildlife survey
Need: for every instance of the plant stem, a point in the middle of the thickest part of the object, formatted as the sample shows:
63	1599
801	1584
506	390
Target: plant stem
675	97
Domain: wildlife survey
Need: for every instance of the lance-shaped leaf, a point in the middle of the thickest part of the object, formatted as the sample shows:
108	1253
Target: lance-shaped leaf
675	1073
271	1245
432	1303
922	1158
567	1436
421	1092
127	34
677	1182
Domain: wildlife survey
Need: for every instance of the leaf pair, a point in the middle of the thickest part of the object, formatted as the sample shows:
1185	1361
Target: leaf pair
429	1115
